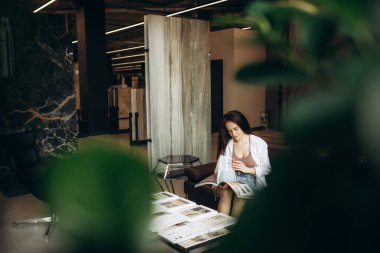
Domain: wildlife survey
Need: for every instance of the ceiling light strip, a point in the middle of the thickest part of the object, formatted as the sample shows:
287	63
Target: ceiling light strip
169	15
195	8
127	67
127	56
127	63
125	70
125	28
125	49
43	6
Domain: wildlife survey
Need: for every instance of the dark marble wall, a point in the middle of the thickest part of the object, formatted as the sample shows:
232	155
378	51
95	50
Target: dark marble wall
41	91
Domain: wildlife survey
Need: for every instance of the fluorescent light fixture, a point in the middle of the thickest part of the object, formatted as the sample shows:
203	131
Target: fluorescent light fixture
125	28
173	14
121	70
75	41
127	56
127	63
124	49
195	8
127	67
247	28
169	15
43	6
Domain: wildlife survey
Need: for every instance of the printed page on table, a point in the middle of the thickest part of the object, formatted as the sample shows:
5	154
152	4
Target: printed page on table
182	231
217	221
164	219
203	238
176	204
196	212
159	197
156	208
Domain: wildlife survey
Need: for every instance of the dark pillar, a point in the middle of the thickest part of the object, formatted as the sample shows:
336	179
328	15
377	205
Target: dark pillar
92	64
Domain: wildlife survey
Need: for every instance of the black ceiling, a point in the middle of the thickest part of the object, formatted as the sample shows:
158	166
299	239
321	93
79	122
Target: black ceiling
121	13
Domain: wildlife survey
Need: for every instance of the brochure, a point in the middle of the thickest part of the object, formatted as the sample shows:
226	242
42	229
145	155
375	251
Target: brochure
203	238
197	212
182	231
163	196
217	221
173	205
162	220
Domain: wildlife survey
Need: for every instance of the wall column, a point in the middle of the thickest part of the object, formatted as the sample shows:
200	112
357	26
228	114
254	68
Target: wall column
178	87
93	68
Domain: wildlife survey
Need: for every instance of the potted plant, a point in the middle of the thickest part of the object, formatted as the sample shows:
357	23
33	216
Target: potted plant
325	189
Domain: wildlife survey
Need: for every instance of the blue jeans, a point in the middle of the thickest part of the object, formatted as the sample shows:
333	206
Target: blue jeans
246	178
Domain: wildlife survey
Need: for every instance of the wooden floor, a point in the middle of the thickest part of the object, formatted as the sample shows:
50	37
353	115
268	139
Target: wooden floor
29	238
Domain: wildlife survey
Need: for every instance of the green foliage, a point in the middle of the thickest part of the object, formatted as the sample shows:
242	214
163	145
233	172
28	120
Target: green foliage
332	46
325	189
102	198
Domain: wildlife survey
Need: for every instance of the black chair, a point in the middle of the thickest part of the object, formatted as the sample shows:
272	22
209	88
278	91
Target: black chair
30	168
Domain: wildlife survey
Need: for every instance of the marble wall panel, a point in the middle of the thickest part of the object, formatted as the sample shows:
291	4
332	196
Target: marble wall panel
41	92
178	87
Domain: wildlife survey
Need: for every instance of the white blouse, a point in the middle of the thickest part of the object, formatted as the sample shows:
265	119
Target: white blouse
259	152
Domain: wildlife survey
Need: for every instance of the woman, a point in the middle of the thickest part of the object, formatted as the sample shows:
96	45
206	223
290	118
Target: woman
249	155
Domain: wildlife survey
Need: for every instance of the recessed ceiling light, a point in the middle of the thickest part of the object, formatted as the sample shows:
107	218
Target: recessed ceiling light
43	6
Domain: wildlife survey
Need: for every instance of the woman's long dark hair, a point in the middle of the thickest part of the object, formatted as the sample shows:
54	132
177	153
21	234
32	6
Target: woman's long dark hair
236	117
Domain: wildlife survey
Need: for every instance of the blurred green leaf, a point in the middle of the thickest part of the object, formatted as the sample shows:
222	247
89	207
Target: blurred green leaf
354	18
369	117
320	120
269	72
315	36
281	12
231	20
351	72
327	177
102	197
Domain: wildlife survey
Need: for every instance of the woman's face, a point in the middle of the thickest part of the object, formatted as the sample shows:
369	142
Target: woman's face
234	130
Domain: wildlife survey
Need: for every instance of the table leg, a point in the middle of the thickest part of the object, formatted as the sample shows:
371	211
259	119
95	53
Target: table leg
171	182
166	171
158	182
167	186
155	177
155	166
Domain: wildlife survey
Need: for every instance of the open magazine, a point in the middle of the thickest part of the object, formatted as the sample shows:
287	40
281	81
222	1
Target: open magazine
226	175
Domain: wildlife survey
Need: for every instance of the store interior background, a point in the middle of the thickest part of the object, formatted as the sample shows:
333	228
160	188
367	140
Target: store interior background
41	87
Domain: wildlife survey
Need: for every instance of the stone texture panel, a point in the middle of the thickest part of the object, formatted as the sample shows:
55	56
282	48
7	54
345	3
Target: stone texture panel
178	87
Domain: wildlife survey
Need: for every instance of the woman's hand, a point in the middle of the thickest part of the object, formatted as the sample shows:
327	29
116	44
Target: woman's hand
240	166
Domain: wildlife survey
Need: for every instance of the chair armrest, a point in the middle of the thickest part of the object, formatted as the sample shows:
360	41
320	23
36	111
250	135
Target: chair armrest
199	172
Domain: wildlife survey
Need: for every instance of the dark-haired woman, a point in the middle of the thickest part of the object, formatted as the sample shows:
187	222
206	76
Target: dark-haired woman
249	155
